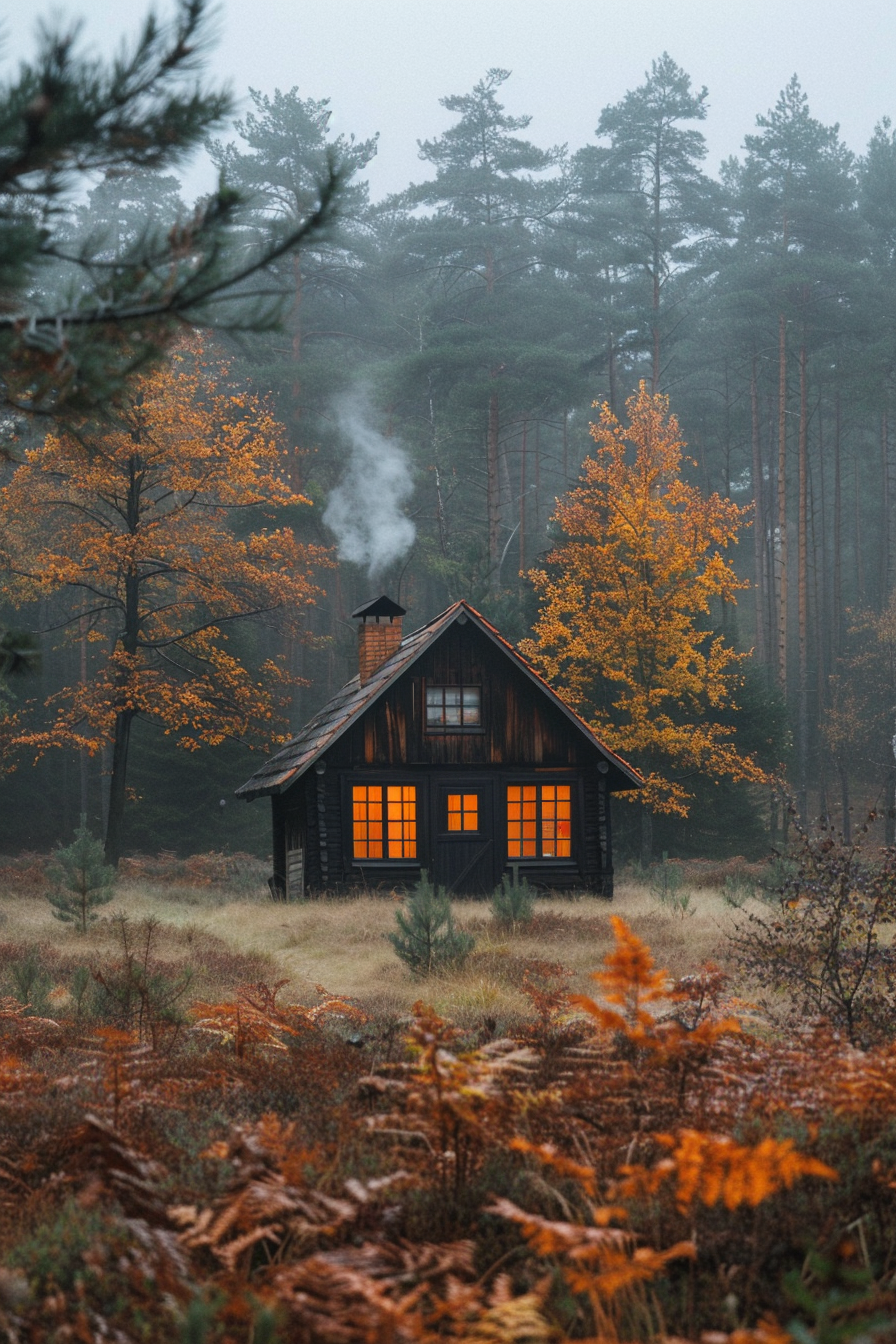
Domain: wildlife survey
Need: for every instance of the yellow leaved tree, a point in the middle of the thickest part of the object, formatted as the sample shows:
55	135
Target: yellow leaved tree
132	533
624	625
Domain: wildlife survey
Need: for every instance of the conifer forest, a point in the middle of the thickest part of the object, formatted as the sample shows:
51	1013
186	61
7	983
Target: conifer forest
437	361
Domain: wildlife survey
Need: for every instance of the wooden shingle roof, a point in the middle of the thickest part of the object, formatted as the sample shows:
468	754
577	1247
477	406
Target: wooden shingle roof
281	770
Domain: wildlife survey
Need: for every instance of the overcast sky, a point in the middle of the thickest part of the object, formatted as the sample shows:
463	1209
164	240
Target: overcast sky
384	64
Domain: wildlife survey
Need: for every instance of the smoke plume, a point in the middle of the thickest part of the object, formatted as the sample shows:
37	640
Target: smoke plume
365	509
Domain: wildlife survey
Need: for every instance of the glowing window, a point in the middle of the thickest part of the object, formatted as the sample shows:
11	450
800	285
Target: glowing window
397	828
367	821
522	823
401	820
539	821
453	708
463	811
556	821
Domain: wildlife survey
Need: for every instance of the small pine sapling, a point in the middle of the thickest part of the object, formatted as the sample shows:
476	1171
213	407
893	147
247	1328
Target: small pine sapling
82	879
667	885
426	939
513	902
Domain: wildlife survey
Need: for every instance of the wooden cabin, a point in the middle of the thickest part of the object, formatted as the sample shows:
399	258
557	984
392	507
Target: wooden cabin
446	753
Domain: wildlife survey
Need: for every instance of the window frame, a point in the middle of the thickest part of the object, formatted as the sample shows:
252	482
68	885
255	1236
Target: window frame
451	729
379	781
462	791
539	859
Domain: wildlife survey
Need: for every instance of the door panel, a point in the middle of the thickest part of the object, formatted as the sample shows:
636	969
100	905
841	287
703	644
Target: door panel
463	831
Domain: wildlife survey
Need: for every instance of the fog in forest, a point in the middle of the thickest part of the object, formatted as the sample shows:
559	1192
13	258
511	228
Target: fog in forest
542	209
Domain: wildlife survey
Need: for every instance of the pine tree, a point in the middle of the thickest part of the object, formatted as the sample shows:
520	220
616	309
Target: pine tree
493	345
513	901
670	212
67	116
83	879
427	940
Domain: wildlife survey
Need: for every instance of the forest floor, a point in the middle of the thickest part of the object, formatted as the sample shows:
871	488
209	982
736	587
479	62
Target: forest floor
170	1116
340	943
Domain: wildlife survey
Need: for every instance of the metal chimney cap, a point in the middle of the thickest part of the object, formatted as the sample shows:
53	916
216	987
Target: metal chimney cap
380	606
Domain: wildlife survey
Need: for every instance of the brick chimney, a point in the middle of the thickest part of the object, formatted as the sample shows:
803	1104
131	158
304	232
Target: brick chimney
379	634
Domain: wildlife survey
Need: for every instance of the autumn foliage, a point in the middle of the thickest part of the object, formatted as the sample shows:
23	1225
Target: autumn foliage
626	600
637	1165
153	531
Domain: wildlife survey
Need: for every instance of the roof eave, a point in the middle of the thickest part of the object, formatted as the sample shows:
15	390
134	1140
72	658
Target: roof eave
439	624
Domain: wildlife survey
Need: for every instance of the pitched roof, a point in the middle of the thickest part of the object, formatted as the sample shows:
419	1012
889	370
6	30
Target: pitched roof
287	765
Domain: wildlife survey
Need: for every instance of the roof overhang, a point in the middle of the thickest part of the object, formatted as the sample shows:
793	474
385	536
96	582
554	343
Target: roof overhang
622	778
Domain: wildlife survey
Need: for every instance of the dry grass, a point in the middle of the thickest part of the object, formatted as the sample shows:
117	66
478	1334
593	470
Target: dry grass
340	943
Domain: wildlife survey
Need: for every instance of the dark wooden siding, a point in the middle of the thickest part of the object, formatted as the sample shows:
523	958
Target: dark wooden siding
523	735
520	726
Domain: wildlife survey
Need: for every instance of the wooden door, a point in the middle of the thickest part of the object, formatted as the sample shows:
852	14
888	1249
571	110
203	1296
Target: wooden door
464	830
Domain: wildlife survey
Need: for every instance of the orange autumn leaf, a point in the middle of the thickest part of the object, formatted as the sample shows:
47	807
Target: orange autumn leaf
624	601
146	535
713	1169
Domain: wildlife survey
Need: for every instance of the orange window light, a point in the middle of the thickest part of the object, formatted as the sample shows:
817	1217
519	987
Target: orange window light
401	821
367	821
463	811
522	824
556	826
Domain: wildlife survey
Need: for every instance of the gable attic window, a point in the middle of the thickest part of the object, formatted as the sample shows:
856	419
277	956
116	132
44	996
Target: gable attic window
453	709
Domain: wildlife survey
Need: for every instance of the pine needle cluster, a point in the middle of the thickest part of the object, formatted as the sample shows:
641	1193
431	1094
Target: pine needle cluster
83	880
426	939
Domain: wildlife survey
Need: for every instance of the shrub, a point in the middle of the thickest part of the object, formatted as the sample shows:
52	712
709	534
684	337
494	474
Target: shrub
820	941
83	879
513	902
142	993
738	889
31	980
667	885
426	939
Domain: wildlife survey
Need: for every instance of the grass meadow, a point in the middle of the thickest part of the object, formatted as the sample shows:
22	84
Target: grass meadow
223	926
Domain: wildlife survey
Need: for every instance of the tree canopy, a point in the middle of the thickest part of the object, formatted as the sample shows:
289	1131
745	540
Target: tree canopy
625	601
127	530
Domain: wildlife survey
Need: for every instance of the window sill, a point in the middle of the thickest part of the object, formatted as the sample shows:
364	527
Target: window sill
386	863
448	731
568	861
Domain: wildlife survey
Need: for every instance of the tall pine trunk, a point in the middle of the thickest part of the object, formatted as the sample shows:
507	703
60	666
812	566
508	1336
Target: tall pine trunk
657	215
118	787
782	503
803	595
758	524
836	615
130	643
885	512
294	474
819	615
493	489
524	448
646	836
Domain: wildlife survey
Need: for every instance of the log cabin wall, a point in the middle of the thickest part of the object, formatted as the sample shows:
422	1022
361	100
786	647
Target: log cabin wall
522	734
